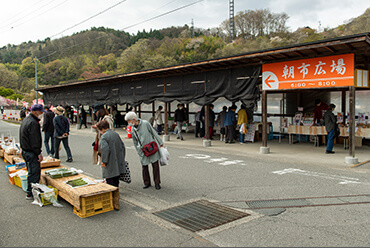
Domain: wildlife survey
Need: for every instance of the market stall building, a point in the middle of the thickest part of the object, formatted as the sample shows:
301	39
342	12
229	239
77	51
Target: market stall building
242	78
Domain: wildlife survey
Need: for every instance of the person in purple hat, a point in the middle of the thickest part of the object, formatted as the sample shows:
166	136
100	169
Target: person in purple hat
31	144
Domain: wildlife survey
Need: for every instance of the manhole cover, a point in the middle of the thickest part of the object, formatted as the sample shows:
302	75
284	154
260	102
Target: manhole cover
278	203
200	215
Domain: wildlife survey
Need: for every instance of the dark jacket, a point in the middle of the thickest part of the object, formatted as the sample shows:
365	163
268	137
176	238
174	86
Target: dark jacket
48	125
61	126
330	121
230	119
22	114
212	117
180	115
30	135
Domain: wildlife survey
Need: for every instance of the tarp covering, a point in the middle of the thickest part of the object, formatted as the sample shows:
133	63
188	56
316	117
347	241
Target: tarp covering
236	84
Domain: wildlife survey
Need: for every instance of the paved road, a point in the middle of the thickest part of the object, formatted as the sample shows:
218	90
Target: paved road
195	174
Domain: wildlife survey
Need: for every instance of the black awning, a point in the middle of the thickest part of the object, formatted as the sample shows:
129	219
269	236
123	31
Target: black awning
236	84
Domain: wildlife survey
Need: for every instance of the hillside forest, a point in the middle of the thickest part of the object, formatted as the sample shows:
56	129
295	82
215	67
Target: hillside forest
103	51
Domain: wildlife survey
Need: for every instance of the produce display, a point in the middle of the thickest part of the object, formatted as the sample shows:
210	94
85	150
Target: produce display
77	182
61	172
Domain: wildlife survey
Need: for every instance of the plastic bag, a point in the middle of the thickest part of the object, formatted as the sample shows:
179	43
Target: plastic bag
155	125
165	156
243	129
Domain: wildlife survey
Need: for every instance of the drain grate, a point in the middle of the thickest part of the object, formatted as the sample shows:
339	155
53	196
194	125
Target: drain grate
278	203
200	215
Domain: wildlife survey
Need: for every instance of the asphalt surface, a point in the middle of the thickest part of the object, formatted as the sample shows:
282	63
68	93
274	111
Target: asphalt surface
195	173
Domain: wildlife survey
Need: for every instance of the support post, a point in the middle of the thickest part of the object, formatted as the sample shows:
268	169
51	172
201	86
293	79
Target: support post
344	106
166	137
140	111
351	139
206	141
153	108
78	118
264	149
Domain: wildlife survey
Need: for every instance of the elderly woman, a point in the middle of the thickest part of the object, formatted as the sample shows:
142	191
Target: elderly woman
113	154
143	133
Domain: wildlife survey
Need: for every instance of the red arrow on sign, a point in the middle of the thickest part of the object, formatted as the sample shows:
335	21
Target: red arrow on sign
268	81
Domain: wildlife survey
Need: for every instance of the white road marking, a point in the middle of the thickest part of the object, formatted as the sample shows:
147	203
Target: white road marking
210	160
342	179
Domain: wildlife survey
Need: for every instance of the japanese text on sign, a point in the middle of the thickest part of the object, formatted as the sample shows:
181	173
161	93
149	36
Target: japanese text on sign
331	71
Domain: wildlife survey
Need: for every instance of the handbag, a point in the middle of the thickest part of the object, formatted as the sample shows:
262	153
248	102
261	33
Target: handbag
148	149
126	177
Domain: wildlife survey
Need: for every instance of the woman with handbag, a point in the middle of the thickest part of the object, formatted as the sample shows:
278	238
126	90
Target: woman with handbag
146	141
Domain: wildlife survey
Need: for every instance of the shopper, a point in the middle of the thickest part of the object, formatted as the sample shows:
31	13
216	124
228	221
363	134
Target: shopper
319	110
242	120
2	110
23	114
180	119
330	126
198	122
159	120
320	107
142	134
61	133
48	129
101	114
113	154
83	117
221	122
230	123
31	143
211	122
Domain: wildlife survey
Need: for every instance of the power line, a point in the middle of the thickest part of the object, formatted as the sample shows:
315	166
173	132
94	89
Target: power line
23	11
27	15
36	16
91	17
130	26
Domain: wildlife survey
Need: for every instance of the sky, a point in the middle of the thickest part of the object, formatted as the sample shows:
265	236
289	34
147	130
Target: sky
32	20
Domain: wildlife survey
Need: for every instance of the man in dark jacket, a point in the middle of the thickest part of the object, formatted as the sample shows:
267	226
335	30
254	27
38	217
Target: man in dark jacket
61	132
330	126
48	129
31	143
180	118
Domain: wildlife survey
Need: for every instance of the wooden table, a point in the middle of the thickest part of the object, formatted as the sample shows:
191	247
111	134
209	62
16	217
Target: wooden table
74	195
320	130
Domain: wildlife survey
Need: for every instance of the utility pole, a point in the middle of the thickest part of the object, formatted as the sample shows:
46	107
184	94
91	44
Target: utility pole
192	28
37	101
231	20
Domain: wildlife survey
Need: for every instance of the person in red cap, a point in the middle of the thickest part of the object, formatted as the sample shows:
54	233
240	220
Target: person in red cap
31	144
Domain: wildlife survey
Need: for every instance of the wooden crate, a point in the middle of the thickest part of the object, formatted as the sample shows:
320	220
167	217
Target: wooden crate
50	164
1	153
18	160
8	158
95	204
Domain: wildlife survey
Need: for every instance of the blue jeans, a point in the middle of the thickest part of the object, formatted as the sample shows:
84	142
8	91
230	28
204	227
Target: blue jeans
66	147
241	138
330	145
46	142
159	128
33	168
